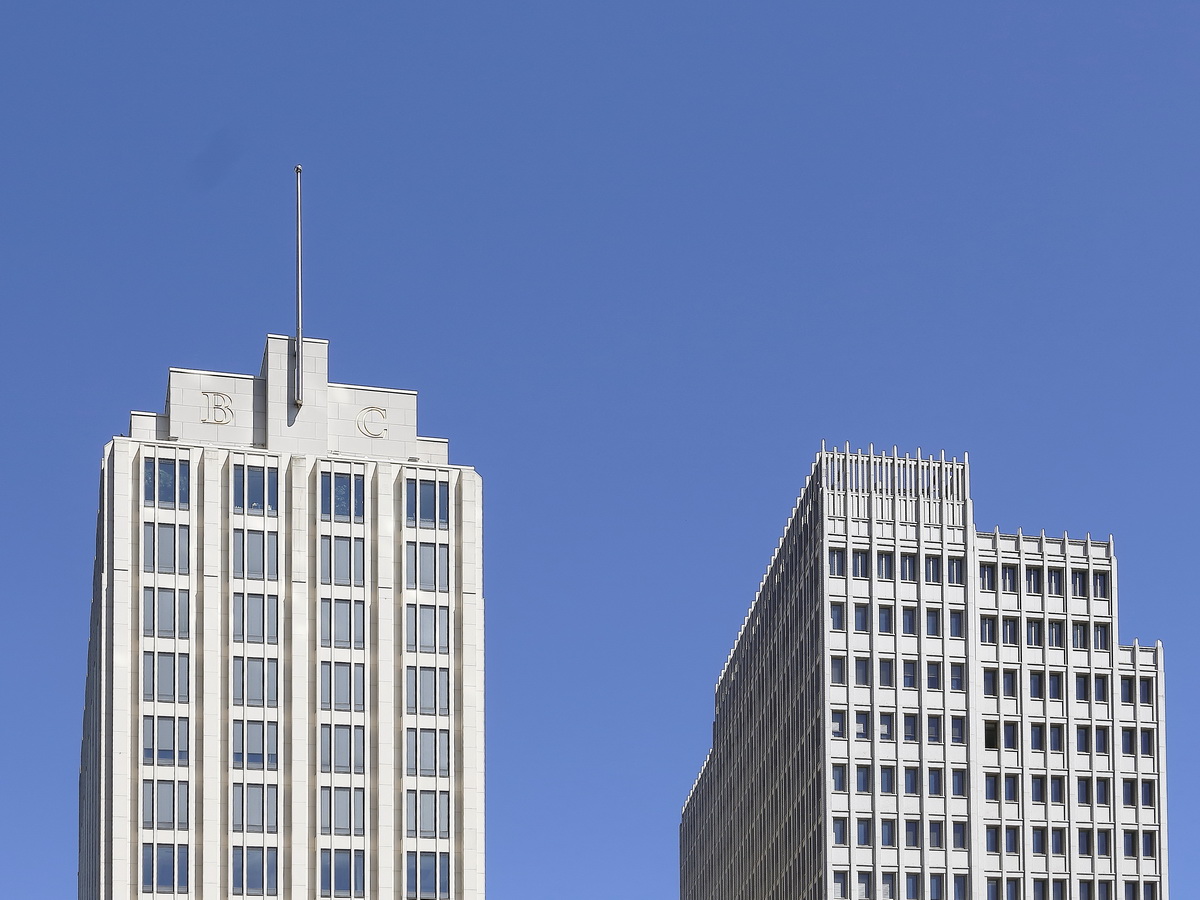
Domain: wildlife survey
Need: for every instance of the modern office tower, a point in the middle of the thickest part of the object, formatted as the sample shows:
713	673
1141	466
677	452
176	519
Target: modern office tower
914	709
285	673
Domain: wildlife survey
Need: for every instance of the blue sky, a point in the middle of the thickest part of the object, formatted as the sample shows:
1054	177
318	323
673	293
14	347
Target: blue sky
639	258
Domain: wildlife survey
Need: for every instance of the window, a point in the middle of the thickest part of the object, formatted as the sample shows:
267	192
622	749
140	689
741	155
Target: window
934	729
1054	582
908	567
912	833
958	782
887	726
1101	744
1012	789
1058	790
935	782
1012	839
1100	585
1008	579
991	735
1147	742
956	623
887	833
427	566
1010	736
863	779
1081	687
256	555
887	673
1012	631
165	612
864	832
908	620
1126	689
910	673
936	835
990	682
166	482
860	560
165	867
883	566
960	833
933	570
838	776
1037	788
862	617
165	549
933	676
837	616
1078	583
862	726
1037	736
254	619
992	838
933	623
910	729
1100	688
958	729
165	805
1033	633
164	740
837	562
169	671
887	779
958	679
1037	685
1054	633
987	577
954	570
987	629
256	681
1055	683
886	620
839	832
837	670
257	742
1079	635
1033	581
1056	738
1146	691
1010	683
837	723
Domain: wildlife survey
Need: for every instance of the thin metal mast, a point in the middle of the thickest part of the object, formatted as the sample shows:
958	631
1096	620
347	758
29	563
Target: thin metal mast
299	299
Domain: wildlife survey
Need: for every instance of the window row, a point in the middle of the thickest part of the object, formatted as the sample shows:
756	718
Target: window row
885	566
343	623
165	677
953	625
255	681
165	740
342	686
255	554
165	868
887	727
914	886
343	748
256	490
1044	684
934	672
160	544
166	483
427	629
255	871
255	744
427	691
1035	577
255	807
427	566
1083	635
427	503
934	780
343	560
1058	889
165	613
891	831
428	876
1145	690
165	804
428	814
428	752
343	496
343	873
343	810
255	618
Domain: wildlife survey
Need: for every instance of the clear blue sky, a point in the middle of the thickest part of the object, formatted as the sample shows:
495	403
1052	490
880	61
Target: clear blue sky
639	258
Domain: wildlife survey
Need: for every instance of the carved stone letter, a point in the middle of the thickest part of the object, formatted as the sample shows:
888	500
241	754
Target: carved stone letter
372	422
218	408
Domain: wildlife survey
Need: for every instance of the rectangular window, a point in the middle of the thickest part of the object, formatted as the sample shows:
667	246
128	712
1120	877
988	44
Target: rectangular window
933	623
954	570
886	620
1079	581
883	566
958	679
1011	631
837	562
1054	582
1008	579
1100	637
1100	585
862	617
908	620
1054	633
987	577
1033	581
956	623
933	570
987	629
908	567
860	561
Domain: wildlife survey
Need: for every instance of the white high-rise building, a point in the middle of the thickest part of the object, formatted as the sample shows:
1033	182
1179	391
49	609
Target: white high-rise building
914	709
285	672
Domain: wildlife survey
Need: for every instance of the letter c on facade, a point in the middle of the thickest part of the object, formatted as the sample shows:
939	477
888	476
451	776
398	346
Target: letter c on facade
372	422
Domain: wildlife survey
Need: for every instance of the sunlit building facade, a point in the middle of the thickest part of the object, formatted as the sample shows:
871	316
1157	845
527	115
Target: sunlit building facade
285	670
914	709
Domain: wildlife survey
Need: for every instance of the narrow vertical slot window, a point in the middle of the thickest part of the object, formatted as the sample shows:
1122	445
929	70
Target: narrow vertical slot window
443	505
239	488
254	618
443	692
184	484
166	549
147	612
166	483
341	560
428	504
273	491
148	547
359	624
427	629
148	482
360	752
410	502
255	490
359	497
410	564
272	619
182	627
239	552
341	498
426	568
410	628
443	629
326	552
185	555
147	676
359	562
326	496
238	680
255	555
237	617
272	556
443	568
182	687
238	748
272	745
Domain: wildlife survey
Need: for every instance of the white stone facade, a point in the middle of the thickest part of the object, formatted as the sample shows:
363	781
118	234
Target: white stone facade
917	710
285	687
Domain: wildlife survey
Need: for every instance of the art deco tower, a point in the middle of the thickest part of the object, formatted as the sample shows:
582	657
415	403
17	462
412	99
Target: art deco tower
285	671
917	710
